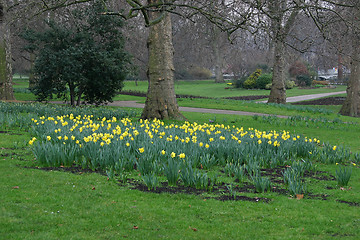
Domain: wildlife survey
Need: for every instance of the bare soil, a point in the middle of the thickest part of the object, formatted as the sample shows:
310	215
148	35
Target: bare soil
323	101
220	191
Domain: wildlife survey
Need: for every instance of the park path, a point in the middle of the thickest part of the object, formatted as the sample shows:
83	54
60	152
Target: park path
134	104
309	97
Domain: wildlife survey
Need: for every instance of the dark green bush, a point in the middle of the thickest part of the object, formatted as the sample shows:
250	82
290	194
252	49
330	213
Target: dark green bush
239	83
303	80
263	80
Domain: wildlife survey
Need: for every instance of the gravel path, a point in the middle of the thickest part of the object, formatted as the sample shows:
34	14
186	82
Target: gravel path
310	97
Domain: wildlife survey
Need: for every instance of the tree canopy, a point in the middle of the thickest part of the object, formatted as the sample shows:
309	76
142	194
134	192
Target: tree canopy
82	57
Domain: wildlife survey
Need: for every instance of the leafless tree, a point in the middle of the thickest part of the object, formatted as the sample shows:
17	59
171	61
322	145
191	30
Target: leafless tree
6	89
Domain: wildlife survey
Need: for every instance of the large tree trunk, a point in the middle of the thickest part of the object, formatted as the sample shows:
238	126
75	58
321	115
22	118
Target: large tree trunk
351	106
6	88
161	99
219	78
278	90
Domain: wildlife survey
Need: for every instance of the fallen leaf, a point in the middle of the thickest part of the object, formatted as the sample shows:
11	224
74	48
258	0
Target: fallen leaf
93	188
194	229
16	187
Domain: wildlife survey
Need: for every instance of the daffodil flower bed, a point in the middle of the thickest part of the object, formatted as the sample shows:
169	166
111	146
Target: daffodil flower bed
175	151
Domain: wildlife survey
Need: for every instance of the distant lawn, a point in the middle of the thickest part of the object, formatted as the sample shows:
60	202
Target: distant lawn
204	88
207	88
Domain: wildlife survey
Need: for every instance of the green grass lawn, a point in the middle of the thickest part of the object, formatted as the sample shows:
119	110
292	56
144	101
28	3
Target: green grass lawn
207	88
38	204
58	204
53	204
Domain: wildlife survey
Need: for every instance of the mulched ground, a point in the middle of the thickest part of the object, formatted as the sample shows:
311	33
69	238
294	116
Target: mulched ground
323	101
219	191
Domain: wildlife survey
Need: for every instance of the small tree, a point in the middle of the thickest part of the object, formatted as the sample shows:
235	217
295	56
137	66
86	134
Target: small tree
85	60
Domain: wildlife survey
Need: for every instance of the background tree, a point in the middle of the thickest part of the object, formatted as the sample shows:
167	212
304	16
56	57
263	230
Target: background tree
6	88
161	99
282	15
84	55
351	106
342	18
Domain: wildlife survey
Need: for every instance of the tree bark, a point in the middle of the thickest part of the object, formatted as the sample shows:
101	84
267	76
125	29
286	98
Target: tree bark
281	24
278	90
351	106
219	78
32	81
6	88
161	99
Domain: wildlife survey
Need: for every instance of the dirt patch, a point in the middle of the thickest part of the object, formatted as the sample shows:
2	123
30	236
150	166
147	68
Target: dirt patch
141	94
242	198
248	98
323	101
75	170
7	154
10	133
219	191
353	204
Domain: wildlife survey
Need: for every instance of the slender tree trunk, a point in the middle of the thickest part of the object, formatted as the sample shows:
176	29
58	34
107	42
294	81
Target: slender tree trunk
161	99
351	106
6	88
32	81
340	68
219	78
281	23
278	90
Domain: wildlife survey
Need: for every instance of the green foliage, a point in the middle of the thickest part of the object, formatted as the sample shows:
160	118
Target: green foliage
239	83
292	179
171	171
263	80
304	80
289	84
85	60
343	175
256	80
251	80
151	181
268	86
262	184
